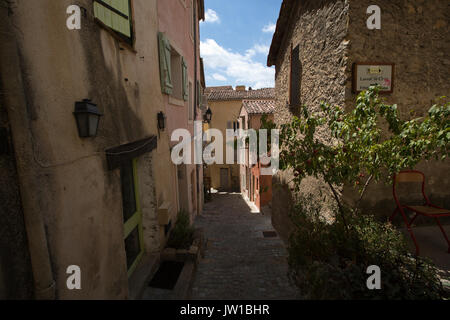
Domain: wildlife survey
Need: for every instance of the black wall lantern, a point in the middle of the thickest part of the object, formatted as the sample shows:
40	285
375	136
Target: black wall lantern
208	116
88	117
161	121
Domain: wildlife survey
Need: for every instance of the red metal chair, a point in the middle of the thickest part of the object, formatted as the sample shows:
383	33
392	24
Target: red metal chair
428	209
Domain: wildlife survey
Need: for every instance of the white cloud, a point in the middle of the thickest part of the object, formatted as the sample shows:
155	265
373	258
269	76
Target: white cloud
211	16
219	77
270	28
262	49
258	48
239	67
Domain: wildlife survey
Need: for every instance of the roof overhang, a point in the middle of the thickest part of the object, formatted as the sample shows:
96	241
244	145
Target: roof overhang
282	25
201	10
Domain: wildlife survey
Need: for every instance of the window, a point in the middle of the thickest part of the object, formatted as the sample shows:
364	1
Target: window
295	77
132	216
173	70
177	76
116	16
233	125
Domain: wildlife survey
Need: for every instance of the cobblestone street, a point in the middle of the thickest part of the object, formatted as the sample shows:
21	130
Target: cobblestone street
240	263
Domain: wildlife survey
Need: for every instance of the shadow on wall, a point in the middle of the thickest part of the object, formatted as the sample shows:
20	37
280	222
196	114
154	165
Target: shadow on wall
15	266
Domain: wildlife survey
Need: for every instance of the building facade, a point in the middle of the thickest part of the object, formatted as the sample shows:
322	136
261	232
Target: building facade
255	187
225	104
89	202
315	48
182	83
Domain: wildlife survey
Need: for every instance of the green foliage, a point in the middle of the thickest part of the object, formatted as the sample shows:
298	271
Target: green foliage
361	151
327	261
182	235
369	143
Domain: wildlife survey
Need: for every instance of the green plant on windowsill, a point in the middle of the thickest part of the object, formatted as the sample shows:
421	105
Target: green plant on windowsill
182	235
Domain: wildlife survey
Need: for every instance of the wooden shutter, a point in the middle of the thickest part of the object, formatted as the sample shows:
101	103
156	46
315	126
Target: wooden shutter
296	74
165	53
115	14
185	79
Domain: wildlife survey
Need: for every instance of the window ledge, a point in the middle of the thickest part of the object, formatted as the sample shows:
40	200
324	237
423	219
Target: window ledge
176	102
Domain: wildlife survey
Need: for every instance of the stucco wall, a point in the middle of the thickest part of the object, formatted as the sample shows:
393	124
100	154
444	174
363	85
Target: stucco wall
69	182
175	19
16	281
224	111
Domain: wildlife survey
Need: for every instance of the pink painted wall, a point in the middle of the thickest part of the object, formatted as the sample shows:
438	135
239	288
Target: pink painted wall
175	19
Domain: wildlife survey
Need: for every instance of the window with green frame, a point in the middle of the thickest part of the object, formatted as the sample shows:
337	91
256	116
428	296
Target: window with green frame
132	216
117	16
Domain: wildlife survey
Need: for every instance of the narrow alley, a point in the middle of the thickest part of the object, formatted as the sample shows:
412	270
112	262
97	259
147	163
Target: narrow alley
240	263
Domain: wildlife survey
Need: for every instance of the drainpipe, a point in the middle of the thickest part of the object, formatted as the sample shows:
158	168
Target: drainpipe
14	99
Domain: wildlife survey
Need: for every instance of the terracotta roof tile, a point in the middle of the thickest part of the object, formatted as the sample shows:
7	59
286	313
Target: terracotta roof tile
259	106
215	94
210	89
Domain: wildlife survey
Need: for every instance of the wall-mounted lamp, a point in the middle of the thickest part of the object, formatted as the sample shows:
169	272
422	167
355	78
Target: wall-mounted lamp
161	121
208	116
87	116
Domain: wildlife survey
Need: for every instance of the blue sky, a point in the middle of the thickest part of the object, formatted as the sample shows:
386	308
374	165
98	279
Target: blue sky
235	42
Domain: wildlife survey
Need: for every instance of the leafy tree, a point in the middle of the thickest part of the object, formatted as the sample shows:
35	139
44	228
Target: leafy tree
362	150
368	144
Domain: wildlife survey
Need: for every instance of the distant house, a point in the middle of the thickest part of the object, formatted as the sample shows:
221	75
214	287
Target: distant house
226	104
324	51
256	187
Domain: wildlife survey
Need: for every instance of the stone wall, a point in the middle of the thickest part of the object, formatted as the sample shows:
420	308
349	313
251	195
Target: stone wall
320	29
413	36
147	194
332	36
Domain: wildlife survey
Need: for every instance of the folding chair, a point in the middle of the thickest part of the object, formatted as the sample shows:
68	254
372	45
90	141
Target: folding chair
428	209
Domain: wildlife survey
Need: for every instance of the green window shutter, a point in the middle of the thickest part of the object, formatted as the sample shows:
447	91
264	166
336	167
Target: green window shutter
165	52
115	14
185	79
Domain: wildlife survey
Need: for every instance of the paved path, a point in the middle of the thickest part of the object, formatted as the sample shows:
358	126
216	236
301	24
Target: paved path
239	263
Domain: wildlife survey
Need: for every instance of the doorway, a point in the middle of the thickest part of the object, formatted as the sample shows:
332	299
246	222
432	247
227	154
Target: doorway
224	179
132	216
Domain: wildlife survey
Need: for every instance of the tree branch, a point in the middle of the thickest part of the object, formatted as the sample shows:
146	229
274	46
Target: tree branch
362	194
